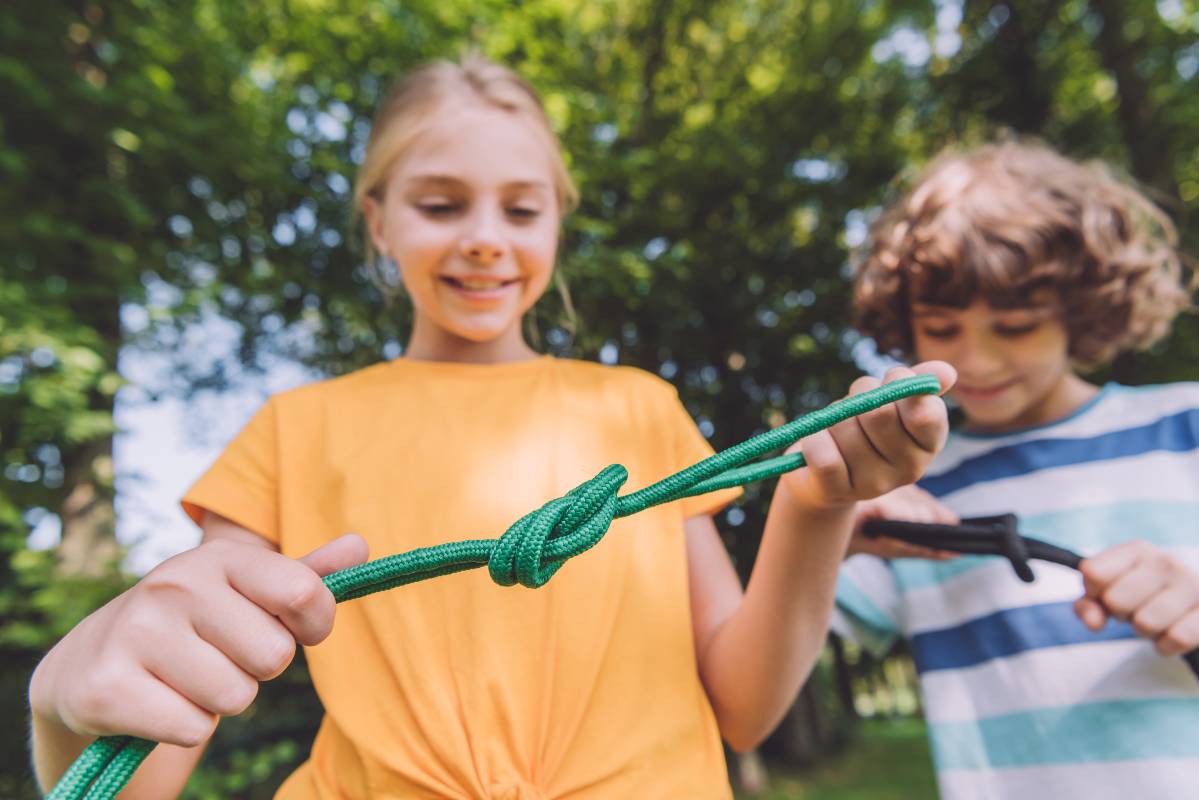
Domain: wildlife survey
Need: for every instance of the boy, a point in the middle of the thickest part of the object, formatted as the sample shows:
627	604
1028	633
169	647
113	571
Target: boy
1019	266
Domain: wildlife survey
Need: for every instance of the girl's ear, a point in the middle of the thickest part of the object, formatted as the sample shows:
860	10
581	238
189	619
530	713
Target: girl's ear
372	210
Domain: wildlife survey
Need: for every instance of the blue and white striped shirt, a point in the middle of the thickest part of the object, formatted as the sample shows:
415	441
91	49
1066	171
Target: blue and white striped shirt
1022	700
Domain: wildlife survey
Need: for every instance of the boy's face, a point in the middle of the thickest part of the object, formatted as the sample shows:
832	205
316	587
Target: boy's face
1013	364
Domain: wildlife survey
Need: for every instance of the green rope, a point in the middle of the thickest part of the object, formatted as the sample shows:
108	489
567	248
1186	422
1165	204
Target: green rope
529	552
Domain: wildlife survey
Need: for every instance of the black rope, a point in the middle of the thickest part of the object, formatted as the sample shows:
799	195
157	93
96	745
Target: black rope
987	536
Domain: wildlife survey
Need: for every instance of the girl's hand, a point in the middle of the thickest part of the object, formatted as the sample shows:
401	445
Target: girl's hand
1139	583
869	455
190	642
909	503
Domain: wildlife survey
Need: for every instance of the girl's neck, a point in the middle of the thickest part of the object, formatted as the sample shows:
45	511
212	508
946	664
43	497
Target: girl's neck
430	343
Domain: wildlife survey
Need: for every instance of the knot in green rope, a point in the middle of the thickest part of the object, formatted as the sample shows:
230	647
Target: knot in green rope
540	542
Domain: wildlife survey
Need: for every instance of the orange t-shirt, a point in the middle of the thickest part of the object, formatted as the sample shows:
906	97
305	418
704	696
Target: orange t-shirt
456	687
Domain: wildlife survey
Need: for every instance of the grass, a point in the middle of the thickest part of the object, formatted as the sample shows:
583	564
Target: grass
889	760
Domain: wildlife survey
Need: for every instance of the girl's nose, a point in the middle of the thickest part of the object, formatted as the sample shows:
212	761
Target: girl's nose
483	243
481	251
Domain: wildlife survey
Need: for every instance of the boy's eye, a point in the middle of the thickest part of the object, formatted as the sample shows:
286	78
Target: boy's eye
939	333
1013	331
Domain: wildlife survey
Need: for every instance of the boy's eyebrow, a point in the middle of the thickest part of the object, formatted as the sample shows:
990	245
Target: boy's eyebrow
929	311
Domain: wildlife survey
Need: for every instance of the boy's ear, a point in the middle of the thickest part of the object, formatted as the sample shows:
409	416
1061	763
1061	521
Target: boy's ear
372	210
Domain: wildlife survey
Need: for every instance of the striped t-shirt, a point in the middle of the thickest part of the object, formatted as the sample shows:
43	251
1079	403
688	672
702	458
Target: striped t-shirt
1022	700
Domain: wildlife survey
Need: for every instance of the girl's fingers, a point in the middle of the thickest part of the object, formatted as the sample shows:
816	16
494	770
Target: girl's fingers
203	675
254	640
286	588
346	551
826	464
922	417
115	699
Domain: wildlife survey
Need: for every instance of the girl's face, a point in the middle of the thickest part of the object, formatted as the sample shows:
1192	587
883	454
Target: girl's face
1013	364
470	215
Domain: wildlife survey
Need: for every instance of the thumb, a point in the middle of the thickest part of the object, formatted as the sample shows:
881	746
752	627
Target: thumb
348	551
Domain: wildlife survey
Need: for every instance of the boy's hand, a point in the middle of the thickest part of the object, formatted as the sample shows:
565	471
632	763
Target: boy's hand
1139	583
908	503
190	642
869	455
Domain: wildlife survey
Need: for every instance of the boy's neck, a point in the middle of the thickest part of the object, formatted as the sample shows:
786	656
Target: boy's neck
1067	396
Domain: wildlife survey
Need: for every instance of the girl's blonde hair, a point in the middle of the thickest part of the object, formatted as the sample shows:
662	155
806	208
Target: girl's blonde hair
1005	223
408	108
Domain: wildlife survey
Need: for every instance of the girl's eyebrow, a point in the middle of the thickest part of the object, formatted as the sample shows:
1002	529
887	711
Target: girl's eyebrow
435	179
440	179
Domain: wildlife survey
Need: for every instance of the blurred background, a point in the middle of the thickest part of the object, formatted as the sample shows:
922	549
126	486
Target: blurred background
178	242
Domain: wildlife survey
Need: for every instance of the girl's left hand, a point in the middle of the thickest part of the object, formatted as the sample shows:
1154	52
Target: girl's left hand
871	454
1139	583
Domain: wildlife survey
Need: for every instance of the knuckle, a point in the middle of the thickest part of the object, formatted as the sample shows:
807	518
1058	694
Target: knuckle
1144	624
236	697
306	594
1171	642
275	657
196	730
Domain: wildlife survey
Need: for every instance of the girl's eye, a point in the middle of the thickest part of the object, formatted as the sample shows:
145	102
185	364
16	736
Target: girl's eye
939	333
524	214
439	208
1013	331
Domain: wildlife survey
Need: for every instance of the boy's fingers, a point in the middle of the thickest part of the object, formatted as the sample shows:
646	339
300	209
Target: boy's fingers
1164	610
1133	589
347	551
1182	637
1091	613
1100	570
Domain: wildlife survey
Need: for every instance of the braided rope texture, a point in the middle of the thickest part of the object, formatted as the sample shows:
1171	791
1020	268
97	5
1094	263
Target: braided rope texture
531	550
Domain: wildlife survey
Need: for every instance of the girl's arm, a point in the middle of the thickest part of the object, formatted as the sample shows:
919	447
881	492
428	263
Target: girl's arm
139	666
754	650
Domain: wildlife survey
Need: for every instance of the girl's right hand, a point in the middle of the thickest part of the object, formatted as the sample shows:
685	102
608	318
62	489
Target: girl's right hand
909	503
190	642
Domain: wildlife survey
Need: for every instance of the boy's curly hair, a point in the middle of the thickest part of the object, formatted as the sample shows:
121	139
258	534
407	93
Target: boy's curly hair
1007	221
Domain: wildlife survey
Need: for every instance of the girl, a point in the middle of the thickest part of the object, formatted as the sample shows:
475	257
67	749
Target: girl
1019	267
619	678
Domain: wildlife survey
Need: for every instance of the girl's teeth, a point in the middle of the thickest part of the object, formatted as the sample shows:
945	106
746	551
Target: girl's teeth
481	285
